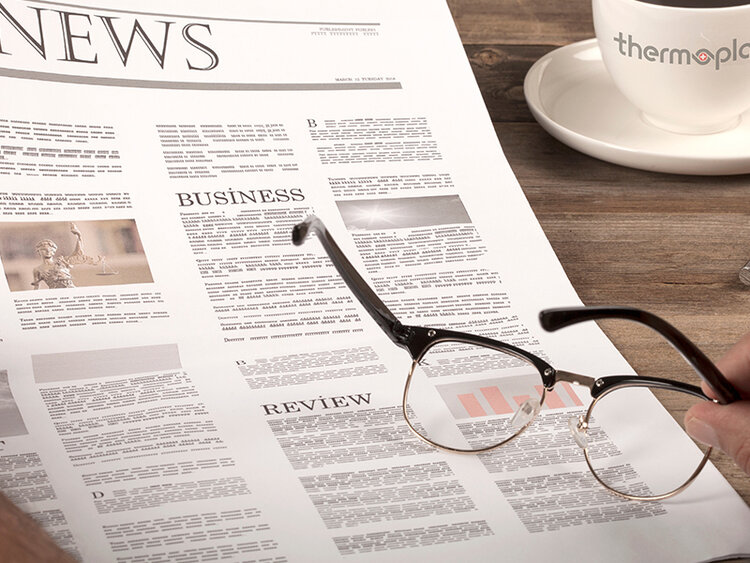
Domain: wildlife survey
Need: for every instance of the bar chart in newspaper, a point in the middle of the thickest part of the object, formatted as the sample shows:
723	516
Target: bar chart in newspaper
489	397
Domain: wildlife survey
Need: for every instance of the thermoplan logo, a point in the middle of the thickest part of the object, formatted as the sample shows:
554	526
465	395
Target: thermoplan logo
681	56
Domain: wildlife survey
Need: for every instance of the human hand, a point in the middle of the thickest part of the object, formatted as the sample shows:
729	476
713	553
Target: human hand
727	427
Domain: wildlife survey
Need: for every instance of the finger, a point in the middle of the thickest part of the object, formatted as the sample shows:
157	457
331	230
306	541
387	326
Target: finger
735	365
725	427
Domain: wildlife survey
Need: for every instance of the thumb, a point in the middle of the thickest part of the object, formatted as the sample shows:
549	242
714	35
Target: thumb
725	427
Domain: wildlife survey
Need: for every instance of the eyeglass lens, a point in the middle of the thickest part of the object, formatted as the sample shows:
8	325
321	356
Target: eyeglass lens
467	397
630	452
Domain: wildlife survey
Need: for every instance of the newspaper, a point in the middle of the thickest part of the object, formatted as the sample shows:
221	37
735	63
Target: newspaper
181	383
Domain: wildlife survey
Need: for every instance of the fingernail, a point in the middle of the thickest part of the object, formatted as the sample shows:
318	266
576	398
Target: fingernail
702	432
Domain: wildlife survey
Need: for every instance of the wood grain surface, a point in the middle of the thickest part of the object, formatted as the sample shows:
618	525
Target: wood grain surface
670	244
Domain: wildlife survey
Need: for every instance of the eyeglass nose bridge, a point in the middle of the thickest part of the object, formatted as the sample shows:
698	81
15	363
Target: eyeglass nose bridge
576	378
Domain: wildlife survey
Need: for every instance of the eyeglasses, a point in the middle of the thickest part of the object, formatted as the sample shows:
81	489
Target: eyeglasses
467	393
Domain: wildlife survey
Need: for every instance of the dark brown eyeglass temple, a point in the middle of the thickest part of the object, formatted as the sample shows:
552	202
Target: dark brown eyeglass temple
358	286
554	319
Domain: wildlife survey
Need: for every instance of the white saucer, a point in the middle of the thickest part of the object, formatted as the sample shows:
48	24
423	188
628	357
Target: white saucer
572	96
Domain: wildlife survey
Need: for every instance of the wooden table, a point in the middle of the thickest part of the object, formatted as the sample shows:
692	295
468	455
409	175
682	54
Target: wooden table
669	244
666	243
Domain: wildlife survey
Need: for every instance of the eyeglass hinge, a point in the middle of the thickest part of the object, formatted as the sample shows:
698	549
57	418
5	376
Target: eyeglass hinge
403	334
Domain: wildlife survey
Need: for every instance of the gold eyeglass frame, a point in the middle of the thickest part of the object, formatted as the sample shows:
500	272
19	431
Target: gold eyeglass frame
418	340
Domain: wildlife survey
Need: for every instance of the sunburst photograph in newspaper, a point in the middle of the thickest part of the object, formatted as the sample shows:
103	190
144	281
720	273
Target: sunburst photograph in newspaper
402	212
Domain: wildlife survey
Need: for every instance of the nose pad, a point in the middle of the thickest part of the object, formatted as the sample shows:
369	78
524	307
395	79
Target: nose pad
578	429
525	414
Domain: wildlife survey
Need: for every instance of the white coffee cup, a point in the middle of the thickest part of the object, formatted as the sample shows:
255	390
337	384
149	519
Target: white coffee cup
686	68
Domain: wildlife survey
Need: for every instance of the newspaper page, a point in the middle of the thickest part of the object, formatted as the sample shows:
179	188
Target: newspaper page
181	383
